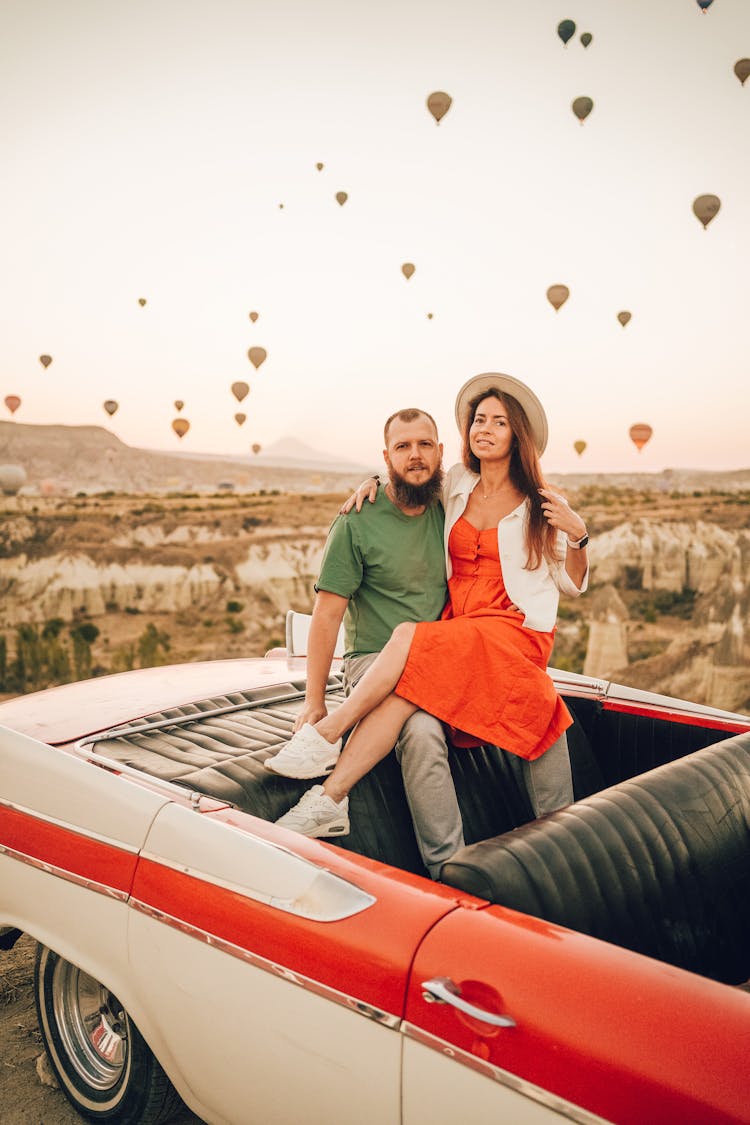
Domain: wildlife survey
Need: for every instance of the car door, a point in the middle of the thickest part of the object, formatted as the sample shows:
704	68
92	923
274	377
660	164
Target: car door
270	971
526	1022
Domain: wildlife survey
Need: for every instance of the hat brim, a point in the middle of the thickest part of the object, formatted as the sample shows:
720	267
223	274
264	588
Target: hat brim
508	385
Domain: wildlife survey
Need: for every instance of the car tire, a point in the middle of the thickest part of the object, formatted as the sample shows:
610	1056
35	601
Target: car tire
102	1062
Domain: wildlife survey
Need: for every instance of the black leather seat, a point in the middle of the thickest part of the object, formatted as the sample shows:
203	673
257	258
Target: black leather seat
659	864
219	747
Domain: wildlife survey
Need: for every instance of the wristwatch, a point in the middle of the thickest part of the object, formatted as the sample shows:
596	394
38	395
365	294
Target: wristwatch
579	544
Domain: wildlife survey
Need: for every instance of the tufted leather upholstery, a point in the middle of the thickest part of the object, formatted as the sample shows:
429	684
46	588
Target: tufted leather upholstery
659	864
223	756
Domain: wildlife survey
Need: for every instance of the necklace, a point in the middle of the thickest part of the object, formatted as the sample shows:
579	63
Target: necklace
489	495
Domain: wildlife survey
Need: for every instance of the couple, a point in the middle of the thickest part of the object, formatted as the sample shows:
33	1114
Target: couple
507	545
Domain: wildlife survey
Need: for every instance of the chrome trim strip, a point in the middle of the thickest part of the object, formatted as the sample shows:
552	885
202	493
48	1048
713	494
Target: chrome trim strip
77	829
360	1007
65	874
504	1077
639	697
361	900
158	785
138	727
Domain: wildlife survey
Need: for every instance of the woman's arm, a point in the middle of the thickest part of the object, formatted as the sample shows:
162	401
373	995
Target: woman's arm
559	514
367	490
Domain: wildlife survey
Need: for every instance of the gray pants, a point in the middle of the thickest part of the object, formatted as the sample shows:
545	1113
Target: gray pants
422	753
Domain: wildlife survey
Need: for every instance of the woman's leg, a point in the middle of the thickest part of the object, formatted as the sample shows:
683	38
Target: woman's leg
378	682
374	737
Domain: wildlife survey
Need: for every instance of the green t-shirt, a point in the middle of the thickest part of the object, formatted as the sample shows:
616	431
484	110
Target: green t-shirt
390	566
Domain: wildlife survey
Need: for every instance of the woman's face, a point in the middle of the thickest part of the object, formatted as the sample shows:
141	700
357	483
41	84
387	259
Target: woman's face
490	435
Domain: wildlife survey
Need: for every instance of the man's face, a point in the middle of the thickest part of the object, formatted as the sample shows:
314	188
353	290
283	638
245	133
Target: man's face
414	453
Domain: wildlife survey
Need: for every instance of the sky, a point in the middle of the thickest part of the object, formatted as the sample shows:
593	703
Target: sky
148	145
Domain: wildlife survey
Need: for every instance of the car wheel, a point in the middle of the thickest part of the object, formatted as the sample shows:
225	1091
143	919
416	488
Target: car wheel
101	1060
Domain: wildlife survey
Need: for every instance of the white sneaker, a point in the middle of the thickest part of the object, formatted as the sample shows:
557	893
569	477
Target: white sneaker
307	754
317	815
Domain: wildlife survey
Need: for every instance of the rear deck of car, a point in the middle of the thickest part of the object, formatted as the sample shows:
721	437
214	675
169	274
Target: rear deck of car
218	747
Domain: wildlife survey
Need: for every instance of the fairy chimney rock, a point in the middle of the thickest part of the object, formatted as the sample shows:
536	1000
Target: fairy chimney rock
607	648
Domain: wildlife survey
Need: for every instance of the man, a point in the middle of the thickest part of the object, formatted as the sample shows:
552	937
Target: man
383	566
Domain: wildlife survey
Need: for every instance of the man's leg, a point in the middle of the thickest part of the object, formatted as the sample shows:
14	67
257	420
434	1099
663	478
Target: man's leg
548	779
422	752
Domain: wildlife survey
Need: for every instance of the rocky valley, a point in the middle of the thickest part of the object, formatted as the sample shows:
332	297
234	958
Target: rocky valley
107	582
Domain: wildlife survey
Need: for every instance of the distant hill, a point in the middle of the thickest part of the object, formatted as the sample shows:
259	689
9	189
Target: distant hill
287	452
92	459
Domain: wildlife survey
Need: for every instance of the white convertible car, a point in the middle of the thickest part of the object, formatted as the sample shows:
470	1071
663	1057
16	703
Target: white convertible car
587	966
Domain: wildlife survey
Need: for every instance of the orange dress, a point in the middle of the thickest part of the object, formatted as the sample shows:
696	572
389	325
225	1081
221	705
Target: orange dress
478	669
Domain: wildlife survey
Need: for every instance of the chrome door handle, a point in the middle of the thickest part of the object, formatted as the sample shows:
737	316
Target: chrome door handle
442	990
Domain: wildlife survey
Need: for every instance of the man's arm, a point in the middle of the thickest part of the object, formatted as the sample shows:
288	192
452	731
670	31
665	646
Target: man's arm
328	613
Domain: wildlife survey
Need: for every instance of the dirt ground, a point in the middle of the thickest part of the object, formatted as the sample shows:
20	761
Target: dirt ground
24	1099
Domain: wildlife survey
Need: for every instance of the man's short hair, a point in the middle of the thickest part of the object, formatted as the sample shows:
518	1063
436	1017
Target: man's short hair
409	415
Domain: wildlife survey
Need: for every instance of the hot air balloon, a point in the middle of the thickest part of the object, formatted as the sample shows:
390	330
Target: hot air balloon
586	38
407	269
624	317
341	198
566	30
256	447
281	207
438	104
706	207
582	108
180	426
111	406
429	316
557	295
12	402
742	70
45	360
240	419
579	447
240	391
253	316
257	356
704	5
142	301
640	434
12	477
319	166
178	404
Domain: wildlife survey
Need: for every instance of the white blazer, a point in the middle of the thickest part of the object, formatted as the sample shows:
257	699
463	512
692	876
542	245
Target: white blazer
535	592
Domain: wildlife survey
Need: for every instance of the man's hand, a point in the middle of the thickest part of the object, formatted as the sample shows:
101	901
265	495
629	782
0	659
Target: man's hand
310	714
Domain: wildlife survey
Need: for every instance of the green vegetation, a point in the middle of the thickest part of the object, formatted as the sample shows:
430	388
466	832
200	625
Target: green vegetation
668	603
45	658
153	646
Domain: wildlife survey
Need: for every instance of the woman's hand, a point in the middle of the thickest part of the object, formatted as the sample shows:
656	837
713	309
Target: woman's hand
367	490
558	512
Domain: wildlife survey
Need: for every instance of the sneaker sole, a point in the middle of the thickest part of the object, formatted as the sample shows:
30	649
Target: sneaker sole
299	773
326	831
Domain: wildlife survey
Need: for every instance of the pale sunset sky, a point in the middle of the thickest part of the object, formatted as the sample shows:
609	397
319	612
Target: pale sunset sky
148	145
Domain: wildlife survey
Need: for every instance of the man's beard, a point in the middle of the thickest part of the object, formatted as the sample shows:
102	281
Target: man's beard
409	495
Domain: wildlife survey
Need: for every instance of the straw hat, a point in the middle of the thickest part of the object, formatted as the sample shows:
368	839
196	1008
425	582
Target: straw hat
508	385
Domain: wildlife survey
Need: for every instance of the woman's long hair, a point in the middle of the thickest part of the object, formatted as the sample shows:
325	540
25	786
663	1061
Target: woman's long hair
525	473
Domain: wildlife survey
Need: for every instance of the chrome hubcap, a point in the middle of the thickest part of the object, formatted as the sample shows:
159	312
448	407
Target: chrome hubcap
93	1026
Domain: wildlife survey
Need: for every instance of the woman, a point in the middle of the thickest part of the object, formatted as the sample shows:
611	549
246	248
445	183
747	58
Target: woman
512	545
